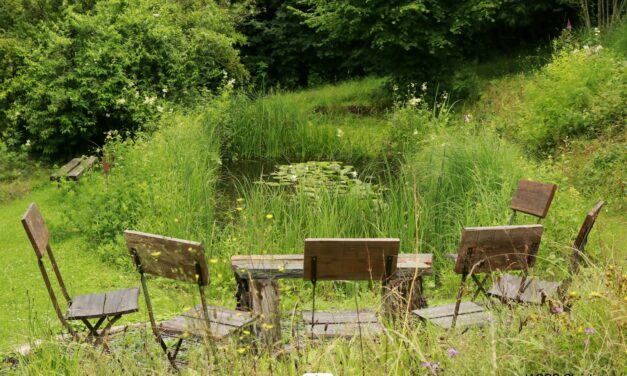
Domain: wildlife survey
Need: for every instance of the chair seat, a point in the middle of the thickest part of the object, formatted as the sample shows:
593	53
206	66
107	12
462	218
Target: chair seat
451	256
105	304
536	291
222	322
470	314
342	324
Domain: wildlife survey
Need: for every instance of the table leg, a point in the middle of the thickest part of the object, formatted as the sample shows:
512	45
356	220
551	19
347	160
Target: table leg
403	295
243	296
265	303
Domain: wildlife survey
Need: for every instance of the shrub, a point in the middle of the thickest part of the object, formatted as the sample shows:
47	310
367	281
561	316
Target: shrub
580	93
116	68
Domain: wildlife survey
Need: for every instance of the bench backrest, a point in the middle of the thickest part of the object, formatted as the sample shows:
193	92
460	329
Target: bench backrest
487	249
350	259
172	258
36	230
586	227
533	198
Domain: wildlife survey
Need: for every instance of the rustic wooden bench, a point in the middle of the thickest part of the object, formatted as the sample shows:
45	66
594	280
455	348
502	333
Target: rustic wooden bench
109	306
258	275
537	291
485	250
184	261
74	169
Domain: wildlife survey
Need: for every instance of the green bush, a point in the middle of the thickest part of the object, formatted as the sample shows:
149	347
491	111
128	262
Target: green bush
162	184
114	68
582	92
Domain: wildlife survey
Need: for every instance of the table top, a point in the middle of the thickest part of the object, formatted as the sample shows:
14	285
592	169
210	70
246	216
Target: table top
291	266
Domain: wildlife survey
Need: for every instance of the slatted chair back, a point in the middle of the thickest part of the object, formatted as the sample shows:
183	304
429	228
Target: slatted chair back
39	237
177	259
496	248
488	249
350	259
532	198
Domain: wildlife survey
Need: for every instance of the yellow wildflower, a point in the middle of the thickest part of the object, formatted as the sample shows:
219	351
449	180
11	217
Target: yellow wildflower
269	216
239	199
239	208
213	260
241	350
155	254
595	294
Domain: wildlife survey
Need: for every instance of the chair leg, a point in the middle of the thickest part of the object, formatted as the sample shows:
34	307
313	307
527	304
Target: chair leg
103	334
480	287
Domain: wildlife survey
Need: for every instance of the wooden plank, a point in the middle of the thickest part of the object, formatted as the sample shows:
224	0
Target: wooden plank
587	225
340	317
533	198
221	315
291	266
83	165
62	172
487	249
447	310
346	330
350	259
465	320
265	302
535	290
121	301
222	322
87	306
36	229
162	256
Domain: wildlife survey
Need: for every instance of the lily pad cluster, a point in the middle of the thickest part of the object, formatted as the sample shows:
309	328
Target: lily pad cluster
317	177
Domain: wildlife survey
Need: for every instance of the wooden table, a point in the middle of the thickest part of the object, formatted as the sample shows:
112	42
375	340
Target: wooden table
257	286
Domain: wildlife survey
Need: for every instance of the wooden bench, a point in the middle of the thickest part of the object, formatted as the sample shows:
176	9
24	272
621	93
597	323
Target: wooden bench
74	169
258	291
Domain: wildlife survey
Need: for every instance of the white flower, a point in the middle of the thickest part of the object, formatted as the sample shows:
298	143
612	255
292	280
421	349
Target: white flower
339	133
27	143
159	109
394	87
293	178
354	174
414	101
164	90
120	101
424	86
155	14
150	100
415	132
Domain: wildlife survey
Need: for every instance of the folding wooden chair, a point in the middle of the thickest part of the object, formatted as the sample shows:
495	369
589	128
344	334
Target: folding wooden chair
532	198
485	250
181	260
109	306
347	260
538	291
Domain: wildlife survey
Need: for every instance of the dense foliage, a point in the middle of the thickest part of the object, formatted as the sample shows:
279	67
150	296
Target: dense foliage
113	65
298	42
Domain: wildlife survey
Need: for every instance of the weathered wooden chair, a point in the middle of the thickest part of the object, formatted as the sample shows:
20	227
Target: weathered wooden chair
485	250
108	306
181	260
537	291
74	169
347	260
532	198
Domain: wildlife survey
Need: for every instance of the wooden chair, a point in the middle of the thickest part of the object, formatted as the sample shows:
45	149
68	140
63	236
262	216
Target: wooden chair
347	260
532	198
485	250
108	306
537	291
181	260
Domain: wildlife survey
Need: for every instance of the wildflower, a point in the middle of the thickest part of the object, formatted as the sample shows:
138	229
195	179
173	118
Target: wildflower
155	14
155	254
120	101
414	101
213	261
589	330
150	100
282	269
595	294
339	133
27	143
573	294
176	220
185	335
293	178
424	86
267	326
353	174
239	208
241	350
415	132
557	310
269	216
164	90
159	109
467	118
433	366
240	199
452	352
246	332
